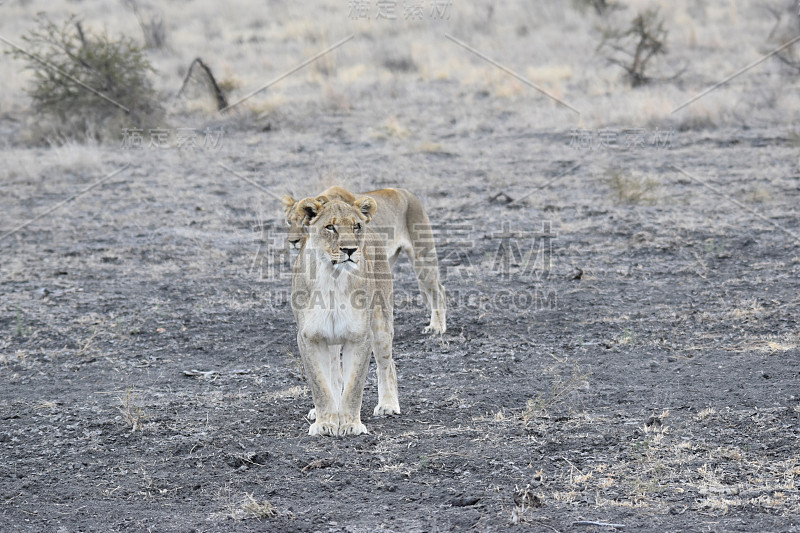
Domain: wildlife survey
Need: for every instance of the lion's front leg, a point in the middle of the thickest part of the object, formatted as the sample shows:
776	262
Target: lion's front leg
316	362
355	363
333	373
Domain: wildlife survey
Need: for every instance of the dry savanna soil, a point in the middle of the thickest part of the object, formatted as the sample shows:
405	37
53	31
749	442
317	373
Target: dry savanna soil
622	352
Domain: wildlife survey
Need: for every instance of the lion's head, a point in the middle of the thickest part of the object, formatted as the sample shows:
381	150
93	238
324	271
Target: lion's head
297	233
336	229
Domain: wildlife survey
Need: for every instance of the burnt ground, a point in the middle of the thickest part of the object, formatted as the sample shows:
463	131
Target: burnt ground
648	377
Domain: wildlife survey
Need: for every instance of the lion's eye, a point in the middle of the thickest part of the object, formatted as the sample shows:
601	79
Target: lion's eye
330	227
357	227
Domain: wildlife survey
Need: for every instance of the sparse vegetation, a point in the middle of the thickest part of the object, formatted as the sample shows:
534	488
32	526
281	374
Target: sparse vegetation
259	510
599	6
200	74
629	189
562	388
149	281
246	508
152	25
634	48
133	415
85	85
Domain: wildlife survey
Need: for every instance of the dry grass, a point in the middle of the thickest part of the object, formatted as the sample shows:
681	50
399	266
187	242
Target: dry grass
133	415
661	464
248	50
254	509
628	189
563	388
292	393
246	507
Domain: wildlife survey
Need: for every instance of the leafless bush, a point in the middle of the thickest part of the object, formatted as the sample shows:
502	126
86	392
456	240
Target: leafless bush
633	48
152	25
133	416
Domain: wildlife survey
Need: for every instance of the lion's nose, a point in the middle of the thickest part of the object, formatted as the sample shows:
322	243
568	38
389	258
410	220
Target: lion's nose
349	251
294	242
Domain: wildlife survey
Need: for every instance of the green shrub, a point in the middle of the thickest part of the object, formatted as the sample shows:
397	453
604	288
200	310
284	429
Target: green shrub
61	56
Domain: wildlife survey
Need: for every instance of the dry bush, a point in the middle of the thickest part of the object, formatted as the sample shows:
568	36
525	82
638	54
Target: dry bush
133	416
58	55
635	47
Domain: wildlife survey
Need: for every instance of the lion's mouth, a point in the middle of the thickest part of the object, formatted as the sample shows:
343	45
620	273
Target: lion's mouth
345	263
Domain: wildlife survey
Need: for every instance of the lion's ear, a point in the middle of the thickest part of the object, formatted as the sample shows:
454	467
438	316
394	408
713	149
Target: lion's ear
366	206
288	203
308	208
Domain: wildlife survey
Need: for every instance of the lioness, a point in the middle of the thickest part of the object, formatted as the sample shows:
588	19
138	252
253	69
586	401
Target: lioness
342	296
404	225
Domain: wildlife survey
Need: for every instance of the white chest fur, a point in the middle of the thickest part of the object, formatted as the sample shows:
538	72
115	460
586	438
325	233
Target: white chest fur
334	313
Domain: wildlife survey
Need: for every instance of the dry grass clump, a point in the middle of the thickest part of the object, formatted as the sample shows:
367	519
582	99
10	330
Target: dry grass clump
133	415
629	189
562	388
247	508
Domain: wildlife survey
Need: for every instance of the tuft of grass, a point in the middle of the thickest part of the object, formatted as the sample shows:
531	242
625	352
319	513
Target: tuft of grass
757	195
60	54
254	509
628	189
133	416
562	389
429	147
247	508
705	413
19	323
392	128
292	393
628	336
21	329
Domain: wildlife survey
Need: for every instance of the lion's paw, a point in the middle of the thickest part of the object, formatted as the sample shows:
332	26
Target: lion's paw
323	428
384	409
312	414
352	428
437	328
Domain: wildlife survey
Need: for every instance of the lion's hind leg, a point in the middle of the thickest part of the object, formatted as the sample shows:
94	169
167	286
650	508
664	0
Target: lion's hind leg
422	254
382	335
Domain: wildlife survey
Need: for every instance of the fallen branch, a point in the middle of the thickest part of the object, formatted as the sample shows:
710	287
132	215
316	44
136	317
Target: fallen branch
599	524
222	102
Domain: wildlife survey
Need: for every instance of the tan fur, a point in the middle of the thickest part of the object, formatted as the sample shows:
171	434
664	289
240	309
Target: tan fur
342	301
404	226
